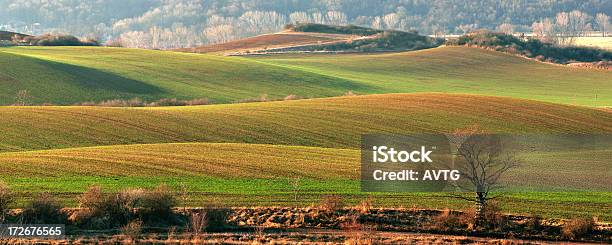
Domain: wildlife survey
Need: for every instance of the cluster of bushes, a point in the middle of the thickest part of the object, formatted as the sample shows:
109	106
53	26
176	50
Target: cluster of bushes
265	98
137	102
378	40
384	41
493	221
127	211
532	48
130	210
53	40
99	210
320	28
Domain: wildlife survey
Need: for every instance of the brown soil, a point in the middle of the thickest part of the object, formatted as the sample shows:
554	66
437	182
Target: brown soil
276	40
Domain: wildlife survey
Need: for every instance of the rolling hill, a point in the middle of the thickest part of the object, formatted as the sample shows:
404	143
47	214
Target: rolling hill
565	170
266	41
332	122
68	75
239	174
463	70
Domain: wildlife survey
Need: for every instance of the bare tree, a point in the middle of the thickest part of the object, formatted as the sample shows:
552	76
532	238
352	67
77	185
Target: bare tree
482	161
603	21
578	23
562	26
467	28
295	183
299	17
506	28
544	30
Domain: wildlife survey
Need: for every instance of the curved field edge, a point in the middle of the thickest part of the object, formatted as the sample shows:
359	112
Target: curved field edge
581	170
248	175
332	122
214	160
459	70
68	75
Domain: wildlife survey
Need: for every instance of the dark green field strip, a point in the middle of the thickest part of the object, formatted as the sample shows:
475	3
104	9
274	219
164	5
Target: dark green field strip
279	192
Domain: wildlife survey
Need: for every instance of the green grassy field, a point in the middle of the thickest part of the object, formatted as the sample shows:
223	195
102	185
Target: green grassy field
261	174
332	122
67	75
239	174
463	70
66	149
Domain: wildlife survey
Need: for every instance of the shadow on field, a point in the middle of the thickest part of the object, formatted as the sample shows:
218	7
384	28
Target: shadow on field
89	78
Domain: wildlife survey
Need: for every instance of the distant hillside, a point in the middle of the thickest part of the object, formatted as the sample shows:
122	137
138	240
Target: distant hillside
263	42
323	38
331	122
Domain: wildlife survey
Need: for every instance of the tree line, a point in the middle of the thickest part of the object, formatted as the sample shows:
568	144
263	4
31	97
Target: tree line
184	23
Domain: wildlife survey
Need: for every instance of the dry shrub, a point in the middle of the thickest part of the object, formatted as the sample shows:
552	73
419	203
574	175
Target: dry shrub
365	206
44	209
216	218
176	102
261	98
291	97
351	224
534	224
202	101
198	221
168	102
493	217
446	221
468	218
577	228
156	205
350	93
358	233
332	203
6	199
260	231
135	102
86	103
104	211
132	230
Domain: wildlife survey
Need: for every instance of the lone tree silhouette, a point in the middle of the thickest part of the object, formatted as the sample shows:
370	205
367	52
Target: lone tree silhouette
482	161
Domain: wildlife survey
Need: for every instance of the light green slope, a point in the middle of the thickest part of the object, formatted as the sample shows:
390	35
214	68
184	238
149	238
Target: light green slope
463	70
67	75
